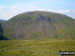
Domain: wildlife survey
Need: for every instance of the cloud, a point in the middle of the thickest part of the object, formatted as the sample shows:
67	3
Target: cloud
13	8
34	8
7	12
65	11
1	7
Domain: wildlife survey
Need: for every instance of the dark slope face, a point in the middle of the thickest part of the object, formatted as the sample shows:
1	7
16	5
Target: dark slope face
40	25
2	31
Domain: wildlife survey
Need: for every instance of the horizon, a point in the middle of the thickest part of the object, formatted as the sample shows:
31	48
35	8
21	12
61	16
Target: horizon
8	8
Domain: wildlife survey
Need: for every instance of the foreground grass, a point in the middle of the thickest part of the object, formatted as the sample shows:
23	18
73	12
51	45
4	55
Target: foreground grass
35	47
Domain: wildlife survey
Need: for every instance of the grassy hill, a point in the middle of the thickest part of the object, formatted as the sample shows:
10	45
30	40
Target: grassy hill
49	47
40	25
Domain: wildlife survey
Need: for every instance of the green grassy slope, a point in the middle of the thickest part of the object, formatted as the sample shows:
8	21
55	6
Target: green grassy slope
35	47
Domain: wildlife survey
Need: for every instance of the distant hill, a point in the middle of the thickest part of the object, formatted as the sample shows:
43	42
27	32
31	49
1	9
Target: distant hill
1	21
40	25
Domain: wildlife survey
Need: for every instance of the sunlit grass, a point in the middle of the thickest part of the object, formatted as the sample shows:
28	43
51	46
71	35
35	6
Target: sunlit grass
35	47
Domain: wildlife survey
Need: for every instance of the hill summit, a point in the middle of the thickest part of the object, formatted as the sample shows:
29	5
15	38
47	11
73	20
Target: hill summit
40	25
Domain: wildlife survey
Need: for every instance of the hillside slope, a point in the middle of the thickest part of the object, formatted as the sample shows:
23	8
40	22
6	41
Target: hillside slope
40	25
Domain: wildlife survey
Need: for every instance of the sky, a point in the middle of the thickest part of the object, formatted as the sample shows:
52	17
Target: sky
11	8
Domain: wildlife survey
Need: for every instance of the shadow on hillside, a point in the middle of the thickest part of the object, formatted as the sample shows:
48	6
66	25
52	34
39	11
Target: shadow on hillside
2	37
